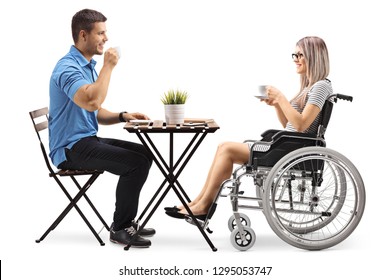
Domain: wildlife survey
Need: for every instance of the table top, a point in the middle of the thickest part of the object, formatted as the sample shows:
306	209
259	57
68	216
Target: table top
159	126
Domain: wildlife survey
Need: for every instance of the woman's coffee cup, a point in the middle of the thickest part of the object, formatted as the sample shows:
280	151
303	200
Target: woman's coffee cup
262	92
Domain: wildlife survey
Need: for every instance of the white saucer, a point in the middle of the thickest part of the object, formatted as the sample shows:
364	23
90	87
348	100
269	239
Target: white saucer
261	96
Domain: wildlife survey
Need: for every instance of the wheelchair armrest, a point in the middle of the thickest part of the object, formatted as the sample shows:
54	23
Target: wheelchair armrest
272	135
267	135
292	134
281	142
250	141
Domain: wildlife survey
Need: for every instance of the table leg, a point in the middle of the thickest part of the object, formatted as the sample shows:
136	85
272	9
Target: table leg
174	180
160	162
171	178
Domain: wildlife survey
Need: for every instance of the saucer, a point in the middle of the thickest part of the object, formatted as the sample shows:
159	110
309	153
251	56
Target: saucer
261	96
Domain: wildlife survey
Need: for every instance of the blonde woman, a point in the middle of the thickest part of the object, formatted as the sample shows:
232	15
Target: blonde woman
301	114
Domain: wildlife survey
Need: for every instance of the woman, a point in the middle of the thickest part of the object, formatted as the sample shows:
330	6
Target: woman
301	114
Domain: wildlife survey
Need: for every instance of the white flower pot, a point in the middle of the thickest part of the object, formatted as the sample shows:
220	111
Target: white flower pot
174	113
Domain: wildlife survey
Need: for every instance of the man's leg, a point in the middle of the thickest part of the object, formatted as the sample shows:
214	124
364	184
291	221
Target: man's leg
129	160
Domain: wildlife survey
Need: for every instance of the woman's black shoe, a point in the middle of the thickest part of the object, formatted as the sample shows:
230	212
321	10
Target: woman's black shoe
171	209
175	214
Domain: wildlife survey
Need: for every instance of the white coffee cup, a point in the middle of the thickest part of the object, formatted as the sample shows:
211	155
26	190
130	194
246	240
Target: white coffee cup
262	92
118	50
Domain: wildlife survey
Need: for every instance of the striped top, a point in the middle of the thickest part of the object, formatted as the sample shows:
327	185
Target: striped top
317	95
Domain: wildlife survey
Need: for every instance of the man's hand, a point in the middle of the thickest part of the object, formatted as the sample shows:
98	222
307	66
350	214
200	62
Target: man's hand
111	57
135	116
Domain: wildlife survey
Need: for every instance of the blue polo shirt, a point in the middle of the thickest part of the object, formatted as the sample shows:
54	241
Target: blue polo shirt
68	123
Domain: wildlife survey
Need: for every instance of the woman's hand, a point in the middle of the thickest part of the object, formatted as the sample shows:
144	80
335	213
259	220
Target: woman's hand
275	99
274	96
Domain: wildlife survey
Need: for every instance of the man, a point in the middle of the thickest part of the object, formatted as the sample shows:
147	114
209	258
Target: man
76	97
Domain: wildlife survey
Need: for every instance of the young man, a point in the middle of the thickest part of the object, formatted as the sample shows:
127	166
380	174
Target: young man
77	93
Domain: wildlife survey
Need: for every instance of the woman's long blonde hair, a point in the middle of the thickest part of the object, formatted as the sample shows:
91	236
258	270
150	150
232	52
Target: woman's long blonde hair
316	56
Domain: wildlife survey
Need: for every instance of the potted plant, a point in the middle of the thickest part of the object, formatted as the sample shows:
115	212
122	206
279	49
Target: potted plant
174	102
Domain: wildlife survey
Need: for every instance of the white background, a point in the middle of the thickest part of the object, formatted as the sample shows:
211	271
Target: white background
218	51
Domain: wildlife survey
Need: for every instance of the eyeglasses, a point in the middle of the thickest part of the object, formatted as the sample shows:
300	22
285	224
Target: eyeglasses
297	56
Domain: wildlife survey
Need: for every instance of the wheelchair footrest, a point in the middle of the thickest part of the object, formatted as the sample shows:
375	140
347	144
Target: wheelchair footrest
191	221
211	211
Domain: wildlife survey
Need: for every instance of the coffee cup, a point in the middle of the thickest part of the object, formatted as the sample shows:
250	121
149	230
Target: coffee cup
262	92
118	51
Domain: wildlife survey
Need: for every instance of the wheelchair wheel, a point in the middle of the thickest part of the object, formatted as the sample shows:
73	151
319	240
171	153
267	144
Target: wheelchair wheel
244	219
314	198
330	207
245	243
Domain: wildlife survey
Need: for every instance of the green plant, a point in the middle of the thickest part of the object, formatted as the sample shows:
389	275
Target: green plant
174	97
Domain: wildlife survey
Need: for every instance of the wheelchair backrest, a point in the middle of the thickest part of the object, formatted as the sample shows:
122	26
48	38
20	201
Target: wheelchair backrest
326	112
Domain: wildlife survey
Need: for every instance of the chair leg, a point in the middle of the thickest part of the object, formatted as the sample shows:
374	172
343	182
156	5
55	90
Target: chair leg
61	217
90	202
70	206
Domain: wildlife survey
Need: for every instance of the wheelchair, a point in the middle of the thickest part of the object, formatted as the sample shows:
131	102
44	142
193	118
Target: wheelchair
312	197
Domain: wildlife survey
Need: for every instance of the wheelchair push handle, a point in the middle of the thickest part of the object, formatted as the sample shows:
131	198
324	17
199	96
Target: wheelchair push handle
343	97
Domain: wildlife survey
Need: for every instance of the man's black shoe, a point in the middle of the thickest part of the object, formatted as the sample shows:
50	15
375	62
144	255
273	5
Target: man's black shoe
145	231
124	236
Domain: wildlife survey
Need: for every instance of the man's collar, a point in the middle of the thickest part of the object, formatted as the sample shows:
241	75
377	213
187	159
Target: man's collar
80	58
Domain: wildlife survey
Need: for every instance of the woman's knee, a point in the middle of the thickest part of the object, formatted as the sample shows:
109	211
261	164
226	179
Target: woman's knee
237	152
225	148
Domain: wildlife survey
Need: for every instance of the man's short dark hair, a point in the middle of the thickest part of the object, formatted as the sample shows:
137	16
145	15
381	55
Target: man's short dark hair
84	20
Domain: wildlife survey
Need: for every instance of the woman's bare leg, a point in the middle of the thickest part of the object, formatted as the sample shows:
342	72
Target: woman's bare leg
200	195
228	154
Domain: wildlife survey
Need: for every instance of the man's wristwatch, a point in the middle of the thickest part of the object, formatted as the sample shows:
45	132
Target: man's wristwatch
121	116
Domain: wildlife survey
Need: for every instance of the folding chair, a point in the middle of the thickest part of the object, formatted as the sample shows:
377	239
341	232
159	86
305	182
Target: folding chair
40	121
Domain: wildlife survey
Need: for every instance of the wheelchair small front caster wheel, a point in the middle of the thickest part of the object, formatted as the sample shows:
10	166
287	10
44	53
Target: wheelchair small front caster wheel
245	221
244	242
